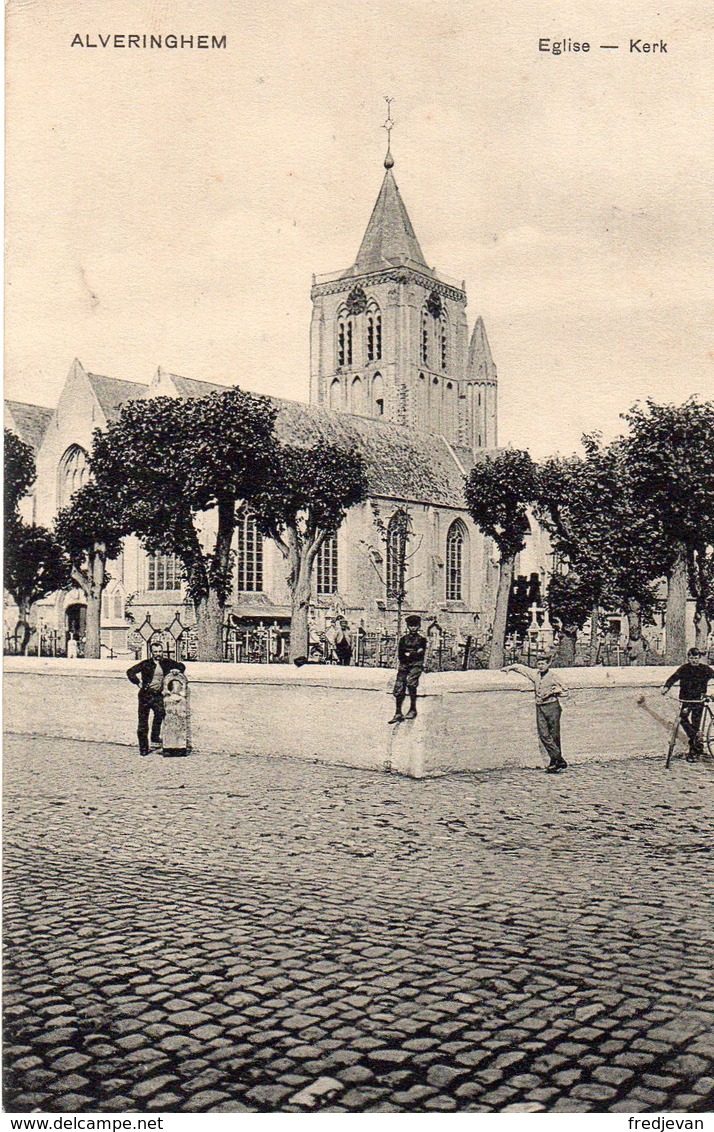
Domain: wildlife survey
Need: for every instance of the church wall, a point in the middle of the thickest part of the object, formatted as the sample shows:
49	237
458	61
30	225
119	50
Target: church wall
324	359
429	403
76	416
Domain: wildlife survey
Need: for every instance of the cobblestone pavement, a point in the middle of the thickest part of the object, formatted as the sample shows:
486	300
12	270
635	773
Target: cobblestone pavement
237	934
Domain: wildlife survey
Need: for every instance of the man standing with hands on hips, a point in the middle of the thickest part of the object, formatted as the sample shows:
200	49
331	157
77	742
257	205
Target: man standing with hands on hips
148	675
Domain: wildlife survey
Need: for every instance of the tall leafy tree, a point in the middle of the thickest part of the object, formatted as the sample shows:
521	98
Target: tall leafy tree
498	492
670	457
608	551
90	528
180	470
302	504
570	600
19	473
34	564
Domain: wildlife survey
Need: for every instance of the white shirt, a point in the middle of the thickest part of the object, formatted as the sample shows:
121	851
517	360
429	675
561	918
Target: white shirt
548	686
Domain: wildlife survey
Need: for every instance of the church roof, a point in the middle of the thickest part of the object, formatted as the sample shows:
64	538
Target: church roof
481	364
390	238
400	463
113	392
31	421
190	387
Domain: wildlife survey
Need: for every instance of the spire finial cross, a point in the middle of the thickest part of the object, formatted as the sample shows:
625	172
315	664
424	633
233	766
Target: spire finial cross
389	126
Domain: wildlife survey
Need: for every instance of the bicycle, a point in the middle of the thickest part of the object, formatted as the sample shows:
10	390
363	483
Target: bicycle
706	728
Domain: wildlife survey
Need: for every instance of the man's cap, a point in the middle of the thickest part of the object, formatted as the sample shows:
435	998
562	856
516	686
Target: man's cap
413	621
694	652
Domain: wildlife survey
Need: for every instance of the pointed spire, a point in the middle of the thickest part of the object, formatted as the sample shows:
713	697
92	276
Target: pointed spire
481	364
390	238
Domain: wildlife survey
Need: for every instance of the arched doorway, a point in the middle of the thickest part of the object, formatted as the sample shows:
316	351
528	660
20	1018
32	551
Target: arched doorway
75	619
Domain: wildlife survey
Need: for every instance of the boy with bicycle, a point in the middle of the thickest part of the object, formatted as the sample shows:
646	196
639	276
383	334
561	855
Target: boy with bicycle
692	678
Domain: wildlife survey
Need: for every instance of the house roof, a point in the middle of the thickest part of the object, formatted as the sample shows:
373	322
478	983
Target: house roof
31	421
390	238
113	392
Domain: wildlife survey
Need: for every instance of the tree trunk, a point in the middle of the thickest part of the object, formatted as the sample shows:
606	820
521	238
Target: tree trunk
301	554
675	617
594	625
92	644
299	633
566	647
498	640
702	629
634	619
209	626
93	586
210	608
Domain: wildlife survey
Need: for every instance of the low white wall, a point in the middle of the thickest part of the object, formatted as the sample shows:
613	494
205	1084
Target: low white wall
467	721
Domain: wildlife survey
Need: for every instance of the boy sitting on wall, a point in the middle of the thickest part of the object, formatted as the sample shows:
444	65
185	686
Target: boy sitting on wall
411	651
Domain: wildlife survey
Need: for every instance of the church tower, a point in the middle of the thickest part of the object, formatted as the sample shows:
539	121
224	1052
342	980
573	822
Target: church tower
389	336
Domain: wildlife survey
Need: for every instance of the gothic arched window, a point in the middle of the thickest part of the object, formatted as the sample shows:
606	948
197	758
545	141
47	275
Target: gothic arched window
378	395
349	342
374	333
341	343
456	548
326	566
424	346
357	396
250	554
443	342
72	474
335	401
397	538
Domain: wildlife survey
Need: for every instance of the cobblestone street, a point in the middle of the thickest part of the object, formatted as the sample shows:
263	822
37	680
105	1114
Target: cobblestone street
236	934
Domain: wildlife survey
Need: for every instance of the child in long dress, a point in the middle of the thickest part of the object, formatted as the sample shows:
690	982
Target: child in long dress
175	726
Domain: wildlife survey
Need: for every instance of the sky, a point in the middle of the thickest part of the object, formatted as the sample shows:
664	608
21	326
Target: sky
170	207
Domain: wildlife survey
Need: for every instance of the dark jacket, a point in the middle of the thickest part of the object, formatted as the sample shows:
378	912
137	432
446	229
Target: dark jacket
411	650
141	673
692	679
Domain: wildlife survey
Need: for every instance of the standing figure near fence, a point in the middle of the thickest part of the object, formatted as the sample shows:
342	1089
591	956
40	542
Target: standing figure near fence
342	645
548	692
148	675
411	651
693	678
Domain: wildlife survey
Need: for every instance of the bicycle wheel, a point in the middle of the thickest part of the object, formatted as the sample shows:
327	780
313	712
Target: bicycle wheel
673	742
708	733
